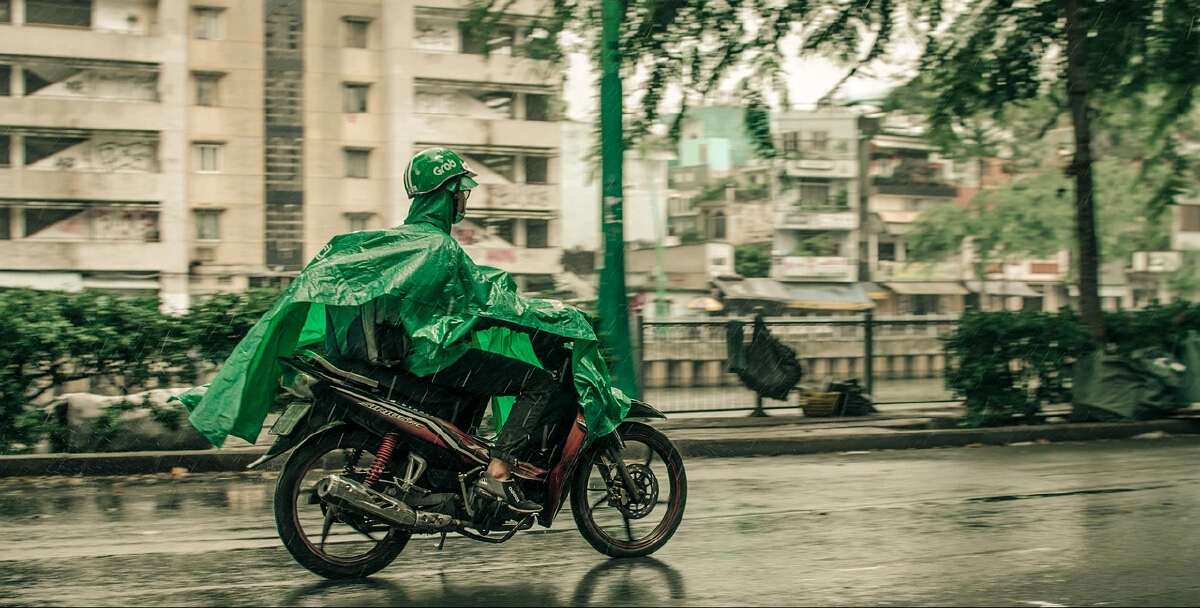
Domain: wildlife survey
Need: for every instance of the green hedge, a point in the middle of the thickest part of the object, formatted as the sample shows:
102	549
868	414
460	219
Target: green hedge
1006	365
48	339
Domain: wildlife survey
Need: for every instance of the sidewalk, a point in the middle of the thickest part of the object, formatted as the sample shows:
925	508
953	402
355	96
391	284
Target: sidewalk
909	426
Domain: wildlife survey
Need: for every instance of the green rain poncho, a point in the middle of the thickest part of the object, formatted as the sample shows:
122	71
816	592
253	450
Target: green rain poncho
441	295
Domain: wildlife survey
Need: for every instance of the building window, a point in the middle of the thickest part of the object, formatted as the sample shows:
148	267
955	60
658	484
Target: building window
924	304
537	234
500	103
791	142
537	107
5	11
357	162
820	139
537	170
208	224
887	252
356	222
208	89
504	229
41	148
1189	218
5	80
356	32
1043	268
208	23
5	223
5	146
814	194
498	42
207	157
502	165
354	98
70	13
717	226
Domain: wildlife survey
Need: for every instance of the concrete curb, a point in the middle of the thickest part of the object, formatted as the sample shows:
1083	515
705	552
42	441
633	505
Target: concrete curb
235	460
912	440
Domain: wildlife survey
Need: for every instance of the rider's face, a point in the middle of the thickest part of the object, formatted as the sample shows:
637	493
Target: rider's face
460	202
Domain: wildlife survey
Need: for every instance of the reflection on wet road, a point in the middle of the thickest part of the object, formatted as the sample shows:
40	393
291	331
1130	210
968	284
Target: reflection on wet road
1104	523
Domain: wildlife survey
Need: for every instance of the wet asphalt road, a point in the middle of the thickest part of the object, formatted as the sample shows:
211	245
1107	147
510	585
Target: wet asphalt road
1107	523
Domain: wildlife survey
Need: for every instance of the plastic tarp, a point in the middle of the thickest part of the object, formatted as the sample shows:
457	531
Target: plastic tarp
1143	386
767	366
431	286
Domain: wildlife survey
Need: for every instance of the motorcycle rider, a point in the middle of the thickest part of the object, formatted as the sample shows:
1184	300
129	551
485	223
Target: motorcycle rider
440	183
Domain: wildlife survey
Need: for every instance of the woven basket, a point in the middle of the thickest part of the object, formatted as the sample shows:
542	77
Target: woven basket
819	405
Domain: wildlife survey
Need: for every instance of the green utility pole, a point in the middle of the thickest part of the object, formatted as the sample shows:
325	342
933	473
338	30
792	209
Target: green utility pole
614	302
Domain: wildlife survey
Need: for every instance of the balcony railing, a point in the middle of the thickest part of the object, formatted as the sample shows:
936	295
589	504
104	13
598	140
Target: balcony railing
817	268
902	187
914	271
829	218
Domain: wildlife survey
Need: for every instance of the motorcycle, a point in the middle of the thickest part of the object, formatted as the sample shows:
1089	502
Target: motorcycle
379	456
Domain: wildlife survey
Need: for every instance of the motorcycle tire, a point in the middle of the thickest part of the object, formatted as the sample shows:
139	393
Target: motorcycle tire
631	432
288	494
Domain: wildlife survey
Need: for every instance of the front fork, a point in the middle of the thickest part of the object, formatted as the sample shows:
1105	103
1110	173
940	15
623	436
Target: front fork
612	459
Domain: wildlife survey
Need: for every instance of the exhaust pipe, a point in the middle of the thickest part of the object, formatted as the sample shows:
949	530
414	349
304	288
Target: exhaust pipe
350	494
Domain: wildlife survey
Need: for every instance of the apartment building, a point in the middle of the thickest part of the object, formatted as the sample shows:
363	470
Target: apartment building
178	146
93	146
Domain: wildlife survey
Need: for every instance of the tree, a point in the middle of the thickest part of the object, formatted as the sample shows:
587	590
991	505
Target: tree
752	260
1026	219
981	56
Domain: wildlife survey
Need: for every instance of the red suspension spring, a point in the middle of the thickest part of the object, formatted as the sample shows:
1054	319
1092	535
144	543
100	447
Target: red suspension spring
381	459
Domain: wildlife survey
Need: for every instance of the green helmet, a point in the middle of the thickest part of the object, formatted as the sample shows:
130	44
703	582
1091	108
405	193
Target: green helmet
433	168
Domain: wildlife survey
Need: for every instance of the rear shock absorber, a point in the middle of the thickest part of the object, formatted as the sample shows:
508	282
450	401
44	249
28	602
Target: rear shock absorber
381	459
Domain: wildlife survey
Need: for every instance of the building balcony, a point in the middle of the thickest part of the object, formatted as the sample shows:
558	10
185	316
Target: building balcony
32	184
518	260
86	113
500	69
82	256
486	132
802	219
822	168
899	187
918	271
93	43
504	199
816	268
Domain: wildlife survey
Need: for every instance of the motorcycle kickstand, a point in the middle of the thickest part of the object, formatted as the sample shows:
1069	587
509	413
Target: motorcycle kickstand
441	542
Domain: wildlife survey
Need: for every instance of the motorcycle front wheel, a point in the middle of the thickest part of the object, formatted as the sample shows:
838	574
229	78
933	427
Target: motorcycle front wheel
608	517
329	541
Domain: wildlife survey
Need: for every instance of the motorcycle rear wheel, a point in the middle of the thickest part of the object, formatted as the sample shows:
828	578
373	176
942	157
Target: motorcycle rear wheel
295	502
657	467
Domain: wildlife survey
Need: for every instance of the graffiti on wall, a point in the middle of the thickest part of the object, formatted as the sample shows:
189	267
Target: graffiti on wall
135	156
518	196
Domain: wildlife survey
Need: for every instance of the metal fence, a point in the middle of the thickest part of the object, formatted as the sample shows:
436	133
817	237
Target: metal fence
683	363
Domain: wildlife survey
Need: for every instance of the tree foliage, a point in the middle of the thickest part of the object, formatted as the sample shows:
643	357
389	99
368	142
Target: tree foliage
753	260
54	338
979	57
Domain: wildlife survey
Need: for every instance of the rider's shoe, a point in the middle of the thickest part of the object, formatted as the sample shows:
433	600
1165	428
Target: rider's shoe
507	493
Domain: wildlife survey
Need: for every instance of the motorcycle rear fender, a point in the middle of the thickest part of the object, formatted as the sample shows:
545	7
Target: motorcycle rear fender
641	409
309	428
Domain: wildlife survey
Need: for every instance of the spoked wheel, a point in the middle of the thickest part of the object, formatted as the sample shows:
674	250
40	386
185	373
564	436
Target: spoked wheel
609	517
326	539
